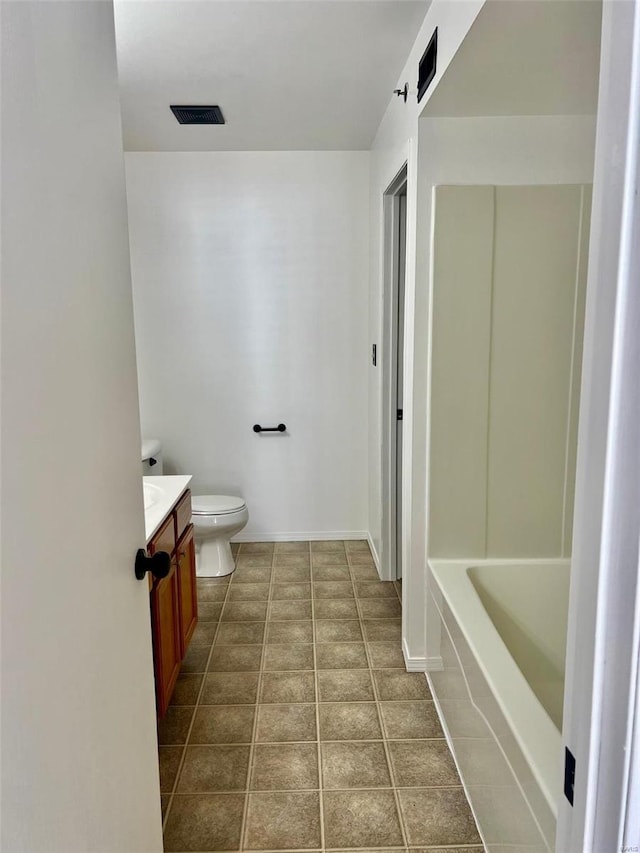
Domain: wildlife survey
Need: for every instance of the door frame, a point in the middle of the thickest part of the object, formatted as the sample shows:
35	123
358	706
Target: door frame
391	252
601	723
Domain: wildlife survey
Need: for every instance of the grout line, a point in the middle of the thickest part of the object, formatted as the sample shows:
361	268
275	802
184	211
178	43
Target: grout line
317	691
385	744
245	812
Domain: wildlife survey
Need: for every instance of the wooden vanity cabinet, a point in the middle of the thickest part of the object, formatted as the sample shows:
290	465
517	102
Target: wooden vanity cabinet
187	592
167	644
174	601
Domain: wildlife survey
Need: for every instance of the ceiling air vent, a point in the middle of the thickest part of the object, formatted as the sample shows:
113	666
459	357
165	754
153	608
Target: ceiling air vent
198	115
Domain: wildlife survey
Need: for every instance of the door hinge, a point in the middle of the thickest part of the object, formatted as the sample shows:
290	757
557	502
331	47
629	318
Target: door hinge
399	415
569	774
374	355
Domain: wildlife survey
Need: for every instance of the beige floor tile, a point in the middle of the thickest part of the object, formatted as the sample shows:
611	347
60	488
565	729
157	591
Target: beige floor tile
247	548
333	589
335	608
361	558
290	657
350	764
208	769
212	589
328	558
252	561
375	589
240	633
367	573
292	574
244	611
230	688
437	816
289	591
195	659
165	799
386	655
292	560
204	822
357	545
393	684
292	547
341	656
352	685
349	721
287	611
248	592
173	727
235	658
338	631
169	761
282	723
209	611
361	819
324	574
290	632
204	633
284	767
187	689
223	724
380	608
285	821
383	630
251	574
287	687
410	720
320	546
422	763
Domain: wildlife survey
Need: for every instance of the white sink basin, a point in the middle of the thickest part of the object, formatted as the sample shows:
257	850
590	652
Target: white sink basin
151	494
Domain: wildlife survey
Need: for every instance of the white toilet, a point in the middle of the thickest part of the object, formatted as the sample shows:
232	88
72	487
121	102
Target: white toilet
216	518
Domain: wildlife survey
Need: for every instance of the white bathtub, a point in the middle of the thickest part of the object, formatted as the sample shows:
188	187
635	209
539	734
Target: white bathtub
503	637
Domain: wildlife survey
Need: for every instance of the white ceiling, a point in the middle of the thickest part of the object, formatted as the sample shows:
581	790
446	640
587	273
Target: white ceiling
288	74
531	57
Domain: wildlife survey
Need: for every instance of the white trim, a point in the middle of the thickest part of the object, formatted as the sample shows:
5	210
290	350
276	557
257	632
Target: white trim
374	553
421	664
304	536
389	358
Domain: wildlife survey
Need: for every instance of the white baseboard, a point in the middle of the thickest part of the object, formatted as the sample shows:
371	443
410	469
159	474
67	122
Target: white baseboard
374	553
302	536
420	664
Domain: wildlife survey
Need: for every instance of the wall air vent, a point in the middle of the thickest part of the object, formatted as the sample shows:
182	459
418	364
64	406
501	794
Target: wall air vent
198	115
427	65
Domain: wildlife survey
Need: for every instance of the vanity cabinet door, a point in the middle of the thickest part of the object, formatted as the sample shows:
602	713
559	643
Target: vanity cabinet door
186	558
167	646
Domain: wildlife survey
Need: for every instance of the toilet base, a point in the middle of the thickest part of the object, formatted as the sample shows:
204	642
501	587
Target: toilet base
214	558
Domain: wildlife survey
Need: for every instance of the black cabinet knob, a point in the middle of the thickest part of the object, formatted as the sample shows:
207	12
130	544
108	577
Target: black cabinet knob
159	564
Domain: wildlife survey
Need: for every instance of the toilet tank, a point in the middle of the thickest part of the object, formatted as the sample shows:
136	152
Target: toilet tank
151	457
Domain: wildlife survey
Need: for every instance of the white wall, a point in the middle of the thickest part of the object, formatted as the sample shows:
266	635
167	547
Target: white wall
250	275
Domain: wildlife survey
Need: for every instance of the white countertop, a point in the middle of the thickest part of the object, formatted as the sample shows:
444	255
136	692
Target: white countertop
165	493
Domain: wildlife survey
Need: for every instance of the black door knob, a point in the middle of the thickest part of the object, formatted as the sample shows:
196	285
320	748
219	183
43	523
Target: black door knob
159	564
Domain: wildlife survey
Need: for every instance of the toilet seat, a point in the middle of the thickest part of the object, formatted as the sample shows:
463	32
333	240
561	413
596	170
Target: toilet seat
204	505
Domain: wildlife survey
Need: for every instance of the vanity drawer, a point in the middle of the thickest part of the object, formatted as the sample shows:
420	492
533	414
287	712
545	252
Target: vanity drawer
165	538
183	513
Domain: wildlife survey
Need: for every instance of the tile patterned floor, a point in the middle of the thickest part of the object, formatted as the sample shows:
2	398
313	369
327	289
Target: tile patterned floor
294	725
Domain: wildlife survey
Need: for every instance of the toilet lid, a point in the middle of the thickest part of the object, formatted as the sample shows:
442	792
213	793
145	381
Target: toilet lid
215	504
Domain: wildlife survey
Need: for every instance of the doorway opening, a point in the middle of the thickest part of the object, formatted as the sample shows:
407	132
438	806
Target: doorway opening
395	256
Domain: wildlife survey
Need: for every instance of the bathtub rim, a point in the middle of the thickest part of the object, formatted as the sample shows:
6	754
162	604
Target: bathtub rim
520	706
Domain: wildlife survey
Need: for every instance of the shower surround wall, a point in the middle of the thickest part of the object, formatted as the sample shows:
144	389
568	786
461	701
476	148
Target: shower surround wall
508	320
250	274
